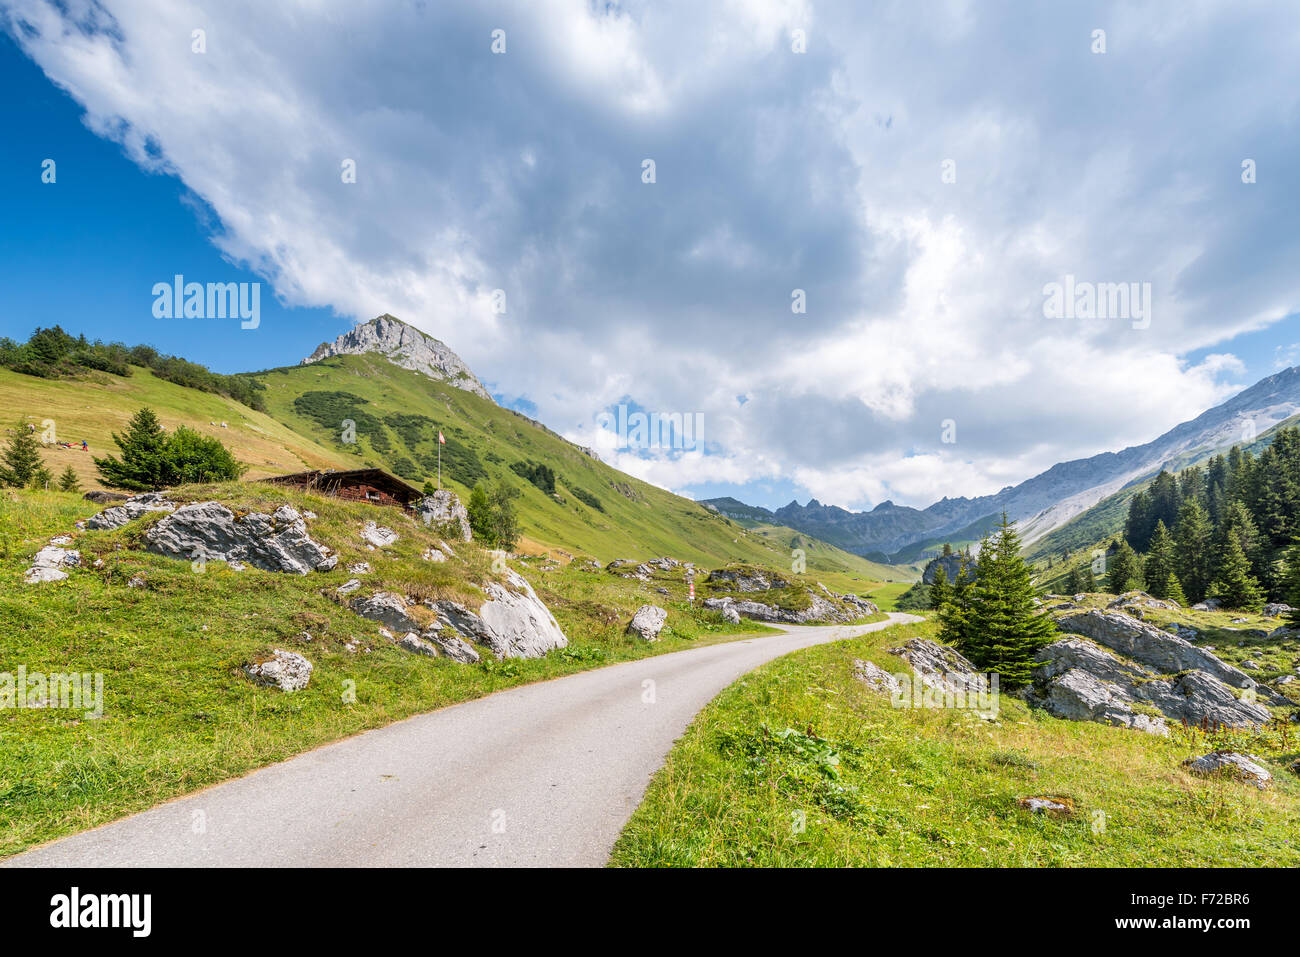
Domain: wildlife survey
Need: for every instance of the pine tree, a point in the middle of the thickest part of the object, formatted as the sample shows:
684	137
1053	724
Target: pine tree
1089	580
1234	584
41	479
1174	591
998	626
68	481
1074	582
1160	568
1195	551
1291	583
1123	573
940	593
141	449
22	458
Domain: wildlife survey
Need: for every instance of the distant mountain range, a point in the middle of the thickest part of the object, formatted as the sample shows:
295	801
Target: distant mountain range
1044	502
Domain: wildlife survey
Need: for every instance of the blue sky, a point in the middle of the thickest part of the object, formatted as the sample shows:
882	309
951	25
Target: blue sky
776	170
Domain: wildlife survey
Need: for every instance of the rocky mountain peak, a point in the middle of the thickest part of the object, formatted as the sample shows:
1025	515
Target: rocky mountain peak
404	346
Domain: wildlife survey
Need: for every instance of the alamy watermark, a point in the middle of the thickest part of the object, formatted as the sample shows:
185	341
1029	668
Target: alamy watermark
71	691
912	691
683	431
1071	299
179	299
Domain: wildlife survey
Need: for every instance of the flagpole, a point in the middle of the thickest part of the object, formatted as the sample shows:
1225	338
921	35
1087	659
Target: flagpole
439	466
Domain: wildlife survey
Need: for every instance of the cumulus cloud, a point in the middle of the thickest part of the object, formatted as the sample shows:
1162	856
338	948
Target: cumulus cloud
921	172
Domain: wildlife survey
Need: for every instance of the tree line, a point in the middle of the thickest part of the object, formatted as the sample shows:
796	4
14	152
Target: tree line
1229	530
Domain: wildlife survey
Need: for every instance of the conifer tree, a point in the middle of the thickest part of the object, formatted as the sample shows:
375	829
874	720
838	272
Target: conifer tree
1074	582
22	458
1122	570
141	448
1089	580
940	592
1195	550
1234	584
998	626
1160	568
1291	583
68	481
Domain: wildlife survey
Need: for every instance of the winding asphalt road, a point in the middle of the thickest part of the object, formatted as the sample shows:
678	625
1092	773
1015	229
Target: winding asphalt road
543	774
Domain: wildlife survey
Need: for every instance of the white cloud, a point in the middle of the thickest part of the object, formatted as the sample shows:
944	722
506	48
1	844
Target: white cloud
776	171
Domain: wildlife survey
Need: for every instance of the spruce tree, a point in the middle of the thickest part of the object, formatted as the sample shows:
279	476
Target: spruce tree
1000	628
1123	573
1074	582
41	479
1234	585
1089	580
1195	550
940	592
22	457
1160	568
68	481
1291	583
141	448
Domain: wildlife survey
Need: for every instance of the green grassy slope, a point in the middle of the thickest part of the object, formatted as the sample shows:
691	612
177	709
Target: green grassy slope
97	405
634	519
178	712
800	764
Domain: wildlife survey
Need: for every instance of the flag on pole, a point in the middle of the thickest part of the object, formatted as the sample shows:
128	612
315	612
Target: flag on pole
441	440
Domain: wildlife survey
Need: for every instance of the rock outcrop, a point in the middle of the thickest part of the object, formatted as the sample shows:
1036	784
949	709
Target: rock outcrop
443	510
210	531
836	609
1230	764
377	536
1134	675
404	346
940	667
129	511
647	622
1148	645
49	563
875	677
286	670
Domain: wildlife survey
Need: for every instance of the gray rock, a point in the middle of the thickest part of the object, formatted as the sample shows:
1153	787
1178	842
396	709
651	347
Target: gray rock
286	670
1078	695
512	623
1072	653
359	568
434	555
1142	599
49	563
1276	609
875	677
349	586
647	622
414	643
952	565
1230	764
941	667
746	580
1148	645
1199	699
211	531
453	646
377	536
519	624
443	511
387	609
129	511
404	346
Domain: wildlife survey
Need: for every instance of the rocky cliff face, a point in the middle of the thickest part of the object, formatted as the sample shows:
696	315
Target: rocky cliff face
403	346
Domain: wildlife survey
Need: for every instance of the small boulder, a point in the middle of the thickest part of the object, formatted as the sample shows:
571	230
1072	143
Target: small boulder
387	609
129	511
1230	764
286	670
49	563
647	622
875	677
434	555
413	642
349	586
378	536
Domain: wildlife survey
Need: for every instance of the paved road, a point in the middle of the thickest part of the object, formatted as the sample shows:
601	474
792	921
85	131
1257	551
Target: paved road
544	774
